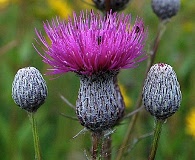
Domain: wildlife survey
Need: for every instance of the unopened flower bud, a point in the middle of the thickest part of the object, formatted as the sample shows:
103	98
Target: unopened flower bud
100	104
161	93
115	5
29	89
165	9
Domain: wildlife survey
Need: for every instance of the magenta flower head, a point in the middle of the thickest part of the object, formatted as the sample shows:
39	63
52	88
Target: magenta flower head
90	44
95	48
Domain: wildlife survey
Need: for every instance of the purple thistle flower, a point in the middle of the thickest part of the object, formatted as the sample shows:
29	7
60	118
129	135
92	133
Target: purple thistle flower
95	48
90	43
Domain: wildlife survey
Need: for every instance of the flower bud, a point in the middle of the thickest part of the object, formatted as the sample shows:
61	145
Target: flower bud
29	89
165	9
115	5
100	104
161	93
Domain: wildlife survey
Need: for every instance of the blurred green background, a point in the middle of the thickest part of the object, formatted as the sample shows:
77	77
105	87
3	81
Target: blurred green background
18	20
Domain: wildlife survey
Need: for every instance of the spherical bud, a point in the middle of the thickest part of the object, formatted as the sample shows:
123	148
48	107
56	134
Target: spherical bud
115	5
29	89
161	93
165	9
100	104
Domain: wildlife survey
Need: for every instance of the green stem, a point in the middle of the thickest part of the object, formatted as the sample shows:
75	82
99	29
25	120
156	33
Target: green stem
35	136
157	132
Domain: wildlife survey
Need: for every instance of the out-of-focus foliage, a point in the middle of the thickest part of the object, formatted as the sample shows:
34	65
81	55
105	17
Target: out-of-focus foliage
18	20
62	8
126	98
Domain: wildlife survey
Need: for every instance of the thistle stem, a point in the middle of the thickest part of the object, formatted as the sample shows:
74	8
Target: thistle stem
127	137
108	5
157	132
96	144
160	32
106	147
152	53
35	136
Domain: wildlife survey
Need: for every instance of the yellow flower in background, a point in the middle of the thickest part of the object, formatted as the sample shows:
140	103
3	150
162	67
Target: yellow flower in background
190	123
127	100
62	8
4	3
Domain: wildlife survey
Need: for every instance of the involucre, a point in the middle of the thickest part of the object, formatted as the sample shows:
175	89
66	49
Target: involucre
165	9
161	93
100	104
29	89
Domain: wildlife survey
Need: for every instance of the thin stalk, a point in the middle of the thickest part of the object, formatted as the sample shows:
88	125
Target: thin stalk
96	144
157	132
106	144
108	5
127	137
35	136
133	112
161	30
106	147
152	55
137	140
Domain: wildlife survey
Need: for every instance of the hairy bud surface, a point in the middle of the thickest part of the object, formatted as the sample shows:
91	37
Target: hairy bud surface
165	9
29	89
161	92
100	104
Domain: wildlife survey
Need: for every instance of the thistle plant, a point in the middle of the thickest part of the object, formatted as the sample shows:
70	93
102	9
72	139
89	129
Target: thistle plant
29	92
161	97
96	48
